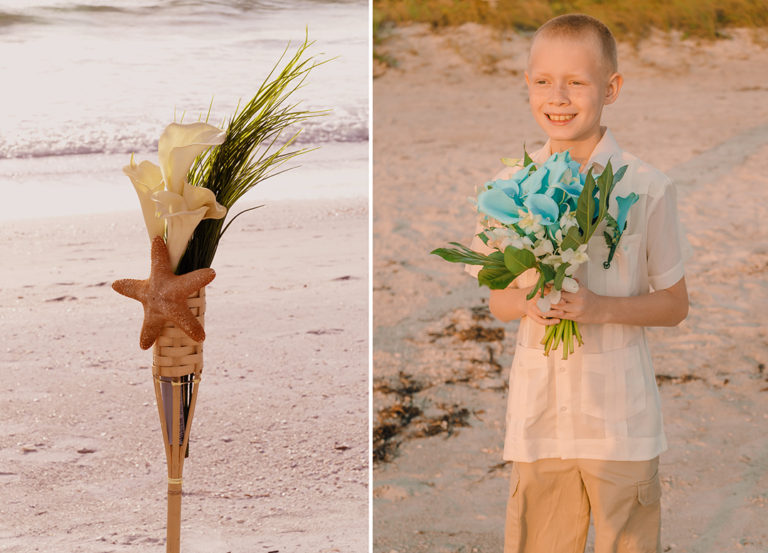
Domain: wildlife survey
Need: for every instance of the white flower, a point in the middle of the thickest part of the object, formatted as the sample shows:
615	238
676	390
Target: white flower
575	257
147	180
570	285
178	147
501	238
567	221
514	241
547	301
495	236
529	222
553	260
543	247
170	205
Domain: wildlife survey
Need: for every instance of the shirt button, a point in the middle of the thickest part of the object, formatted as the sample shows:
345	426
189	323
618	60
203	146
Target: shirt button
563	408
562	369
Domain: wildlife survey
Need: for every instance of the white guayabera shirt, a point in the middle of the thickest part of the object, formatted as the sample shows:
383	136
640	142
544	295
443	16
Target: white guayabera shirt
602	402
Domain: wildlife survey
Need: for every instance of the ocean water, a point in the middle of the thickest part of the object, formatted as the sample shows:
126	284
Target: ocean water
84	84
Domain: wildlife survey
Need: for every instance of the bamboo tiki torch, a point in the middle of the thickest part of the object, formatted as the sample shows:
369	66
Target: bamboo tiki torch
176	368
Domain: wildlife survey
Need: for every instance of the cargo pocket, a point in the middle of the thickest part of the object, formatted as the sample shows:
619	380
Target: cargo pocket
649	491
613	384
528	381
619	279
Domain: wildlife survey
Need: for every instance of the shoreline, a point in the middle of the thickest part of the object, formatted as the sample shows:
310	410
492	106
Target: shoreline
85	184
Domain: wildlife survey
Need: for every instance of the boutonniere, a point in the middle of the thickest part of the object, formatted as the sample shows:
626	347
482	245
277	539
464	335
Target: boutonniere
616	227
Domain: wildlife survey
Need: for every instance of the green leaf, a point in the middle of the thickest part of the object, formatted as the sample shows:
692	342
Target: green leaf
526	158
539	286
585	207
547	271
495	278
518	261
618	175
572	239
604	183
259	140
462	255
560	276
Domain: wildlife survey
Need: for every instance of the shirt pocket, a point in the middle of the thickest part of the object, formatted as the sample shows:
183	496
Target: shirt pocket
529	378
620	278
613	384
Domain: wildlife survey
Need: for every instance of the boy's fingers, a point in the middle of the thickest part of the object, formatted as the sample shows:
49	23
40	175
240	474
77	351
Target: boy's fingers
543	319
548	321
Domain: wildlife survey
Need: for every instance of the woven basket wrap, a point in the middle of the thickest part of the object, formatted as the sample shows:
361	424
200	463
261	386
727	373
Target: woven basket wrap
175	353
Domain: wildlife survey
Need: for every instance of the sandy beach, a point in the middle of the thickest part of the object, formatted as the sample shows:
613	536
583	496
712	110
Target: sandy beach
279	443
455	103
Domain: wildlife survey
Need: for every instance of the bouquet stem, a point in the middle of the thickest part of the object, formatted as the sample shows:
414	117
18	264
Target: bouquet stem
565	333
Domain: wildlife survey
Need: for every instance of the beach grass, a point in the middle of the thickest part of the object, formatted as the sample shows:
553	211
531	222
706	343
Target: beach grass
628	19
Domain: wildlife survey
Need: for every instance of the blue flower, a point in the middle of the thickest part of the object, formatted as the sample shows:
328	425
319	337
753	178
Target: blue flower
547	191
624	204
543	206
497	203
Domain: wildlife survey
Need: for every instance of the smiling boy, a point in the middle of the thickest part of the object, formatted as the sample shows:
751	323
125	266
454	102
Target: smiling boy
585	433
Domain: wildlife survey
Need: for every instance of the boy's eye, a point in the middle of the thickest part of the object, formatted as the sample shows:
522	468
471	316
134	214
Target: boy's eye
577	83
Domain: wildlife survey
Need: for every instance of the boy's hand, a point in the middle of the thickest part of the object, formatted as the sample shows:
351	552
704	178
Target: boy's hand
583	306
534	313
510	303
667	307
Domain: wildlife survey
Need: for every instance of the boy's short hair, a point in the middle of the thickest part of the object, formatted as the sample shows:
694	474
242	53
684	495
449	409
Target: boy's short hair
575	24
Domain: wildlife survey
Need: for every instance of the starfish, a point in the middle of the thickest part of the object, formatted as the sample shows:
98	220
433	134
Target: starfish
164	296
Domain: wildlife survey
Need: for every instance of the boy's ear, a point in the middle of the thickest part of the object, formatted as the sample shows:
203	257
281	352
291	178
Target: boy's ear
614	87
527	80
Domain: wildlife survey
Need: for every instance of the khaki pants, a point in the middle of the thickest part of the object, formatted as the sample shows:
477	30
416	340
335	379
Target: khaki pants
550	501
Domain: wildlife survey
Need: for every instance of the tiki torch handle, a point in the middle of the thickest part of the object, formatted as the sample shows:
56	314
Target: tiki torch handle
173	539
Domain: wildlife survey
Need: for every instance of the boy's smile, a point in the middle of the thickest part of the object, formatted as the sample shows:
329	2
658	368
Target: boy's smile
569	82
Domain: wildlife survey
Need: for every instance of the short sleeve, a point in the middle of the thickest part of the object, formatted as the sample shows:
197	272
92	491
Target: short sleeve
667	246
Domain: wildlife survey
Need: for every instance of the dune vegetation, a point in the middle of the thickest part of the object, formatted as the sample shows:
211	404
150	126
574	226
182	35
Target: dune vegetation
628	19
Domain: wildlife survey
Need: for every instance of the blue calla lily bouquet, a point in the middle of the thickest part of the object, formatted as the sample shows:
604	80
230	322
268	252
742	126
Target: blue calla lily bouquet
542	218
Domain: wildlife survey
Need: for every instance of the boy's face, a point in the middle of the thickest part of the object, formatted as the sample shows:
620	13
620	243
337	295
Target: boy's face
569	82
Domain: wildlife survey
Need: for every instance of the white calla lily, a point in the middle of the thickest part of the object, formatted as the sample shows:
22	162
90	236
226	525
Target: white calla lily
171	206
181	225
198	196
182	215
178	147
147	180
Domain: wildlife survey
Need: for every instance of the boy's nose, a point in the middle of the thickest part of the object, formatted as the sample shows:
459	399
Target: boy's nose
559	95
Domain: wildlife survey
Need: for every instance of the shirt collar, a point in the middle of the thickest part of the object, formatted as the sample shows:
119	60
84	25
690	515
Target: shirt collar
606	149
